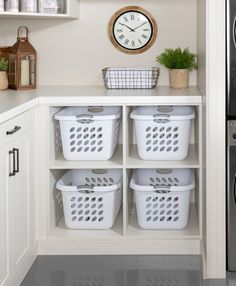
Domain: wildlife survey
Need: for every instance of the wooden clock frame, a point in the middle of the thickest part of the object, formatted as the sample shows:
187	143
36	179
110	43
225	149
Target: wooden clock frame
135	9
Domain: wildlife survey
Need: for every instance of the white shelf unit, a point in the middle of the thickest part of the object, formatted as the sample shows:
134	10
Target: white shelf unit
71	12
126	232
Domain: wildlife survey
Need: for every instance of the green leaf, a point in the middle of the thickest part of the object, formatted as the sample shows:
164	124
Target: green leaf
177	59
3	64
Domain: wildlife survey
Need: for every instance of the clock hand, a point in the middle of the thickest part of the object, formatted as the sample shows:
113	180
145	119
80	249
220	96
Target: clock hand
140	26
122	24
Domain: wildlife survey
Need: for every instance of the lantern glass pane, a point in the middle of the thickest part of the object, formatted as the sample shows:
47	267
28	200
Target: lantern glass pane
24	69
32	70
12	70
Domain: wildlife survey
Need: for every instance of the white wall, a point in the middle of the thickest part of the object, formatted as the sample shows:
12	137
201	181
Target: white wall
74	52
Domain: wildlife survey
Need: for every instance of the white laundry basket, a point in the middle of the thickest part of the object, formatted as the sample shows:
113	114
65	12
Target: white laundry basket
162	197
163	132
89	132
91	198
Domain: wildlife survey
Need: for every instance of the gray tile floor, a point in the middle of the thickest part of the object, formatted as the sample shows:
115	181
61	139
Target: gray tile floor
120	271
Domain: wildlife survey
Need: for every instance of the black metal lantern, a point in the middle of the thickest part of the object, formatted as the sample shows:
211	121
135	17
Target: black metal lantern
22	63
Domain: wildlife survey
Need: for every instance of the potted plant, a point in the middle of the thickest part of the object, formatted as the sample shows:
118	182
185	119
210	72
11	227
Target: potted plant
3	74
179	62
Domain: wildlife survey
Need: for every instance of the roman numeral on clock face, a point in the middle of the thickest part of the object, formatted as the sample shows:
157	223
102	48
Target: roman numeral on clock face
120	30
144	36
121	37
132	17
133	44
140	42
126	42
145	30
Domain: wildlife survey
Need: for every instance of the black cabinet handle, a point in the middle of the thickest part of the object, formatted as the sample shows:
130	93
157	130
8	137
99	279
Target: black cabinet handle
14	130
17	168
11	172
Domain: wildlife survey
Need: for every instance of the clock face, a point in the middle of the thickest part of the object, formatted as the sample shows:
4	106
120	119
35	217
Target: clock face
132	30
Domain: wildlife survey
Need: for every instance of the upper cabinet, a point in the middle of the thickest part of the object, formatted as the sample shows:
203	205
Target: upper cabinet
70	11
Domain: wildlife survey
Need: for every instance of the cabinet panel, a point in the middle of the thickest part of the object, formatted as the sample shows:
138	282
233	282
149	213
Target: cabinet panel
5	187
21	201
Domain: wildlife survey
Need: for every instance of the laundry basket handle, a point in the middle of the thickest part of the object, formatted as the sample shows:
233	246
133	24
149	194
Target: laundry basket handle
161	118
160	190
85	188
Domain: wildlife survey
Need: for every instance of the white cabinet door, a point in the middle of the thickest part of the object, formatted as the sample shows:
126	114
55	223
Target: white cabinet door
6	186
21	203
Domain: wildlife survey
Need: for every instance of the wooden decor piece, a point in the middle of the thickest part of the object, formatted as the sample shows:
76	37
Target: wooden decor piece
22	63
132	30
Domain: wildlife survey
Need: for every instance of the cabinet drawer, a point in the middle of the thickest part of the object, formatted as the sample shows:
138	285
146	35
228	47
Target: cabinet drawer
14	127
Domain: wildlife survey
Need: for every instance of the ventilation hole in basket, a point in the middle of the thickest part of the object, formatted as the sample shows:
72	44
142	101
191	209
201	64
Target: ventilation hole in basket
148	218
148	212
99	135
86	206
93	206
155	218
176	129
86	142
176	212
73	212
176	199
176	135
169	218
79	136
162	212
94	212
176	206
93	179
100	199
100	149
162	129
162	135
72	129
148	148
79	149
100	142
155	142
73	206
81	218
176	142
169	199
168	135
93	149
168	129
154	129
74	218
148	129
155	149
155	212
86	149
155	136
105	180
164	180
162	142
155	206
92	136
148	199
176	149
158	179
162	149
94	219
73	199
155	199
86	136
100	213
87	180
162	218
162	199
148	206
72	149
93	199
92	129
72	136
148	135
80	206
169	206
111	180
162	206
148	142
79	142
176	218
87	218
101	218
99	185
93	142
152	180
99	129
80	212
100	206
85	129
176	180
169	212
87	212
79	129
168	142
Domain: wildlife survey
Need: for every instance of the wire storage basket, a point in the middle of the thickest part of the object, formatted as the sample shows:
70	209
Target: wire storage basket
163	132
89	132
130	78
162	197
91	198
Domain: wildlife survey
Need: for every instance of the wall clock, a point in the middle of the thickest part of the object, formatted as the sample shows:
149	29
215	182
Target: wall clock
132	30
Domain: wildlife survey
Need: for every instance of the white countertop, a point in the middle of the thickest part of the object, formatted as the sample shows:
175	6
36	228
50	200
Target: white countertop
14	102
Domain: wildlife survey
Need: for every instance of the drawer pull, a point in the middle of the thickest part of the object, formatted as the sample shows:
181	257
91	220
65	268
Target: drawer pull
17	168
12	170
14	130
